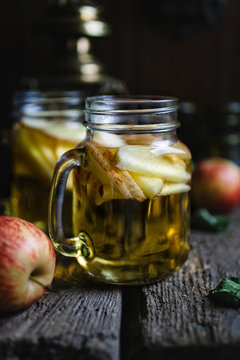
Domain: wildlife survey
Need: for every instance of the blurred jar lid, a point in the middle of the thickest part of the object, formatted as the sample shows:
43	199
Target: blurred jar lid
223	116
80	17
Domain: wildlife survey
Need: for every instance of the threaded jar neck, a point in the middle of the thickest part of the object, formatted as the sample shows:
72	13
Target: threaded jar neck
157	113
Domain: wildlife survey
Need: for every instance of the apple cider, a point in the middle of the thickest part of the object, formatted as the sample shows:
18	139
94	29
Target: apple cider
131	193
39	138
132	239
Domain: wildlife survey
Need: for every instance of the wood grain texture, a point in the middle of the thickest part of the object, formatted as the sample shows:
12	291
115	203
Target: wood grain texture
175	318
170	320
75	320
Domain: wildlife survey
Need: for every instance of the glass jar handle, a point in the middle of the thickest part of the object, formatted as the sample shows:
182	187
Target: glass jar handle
81	244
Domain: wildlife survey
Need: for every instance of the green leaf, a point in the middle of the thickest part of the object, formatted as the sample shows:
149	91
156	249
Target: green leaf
228	291
203	220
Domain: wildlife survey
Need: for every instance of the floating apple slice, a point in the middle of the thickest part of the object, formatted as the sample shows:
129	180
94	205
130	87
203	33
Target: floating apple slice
133	187
100	192
40	152
58	139
70	131
94	166
139	139
108	140
151	186
140	159
102	168
167	147
86	177
36	123
45	146
100	164
105	192
42	142
32	157
186	154
174	188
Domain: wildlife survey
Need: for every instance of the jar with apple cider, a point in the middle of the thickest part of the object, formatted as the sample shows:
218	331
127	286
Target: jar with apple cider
131	185
47	124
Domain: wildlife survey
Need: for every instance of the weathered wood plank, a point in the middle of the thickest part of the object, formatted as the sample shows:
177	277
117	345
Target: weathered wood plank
175	319
172	319
73	321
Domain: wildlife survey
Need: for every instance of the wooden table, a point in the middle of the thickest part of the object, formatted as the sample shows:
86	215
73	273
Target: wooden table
172	319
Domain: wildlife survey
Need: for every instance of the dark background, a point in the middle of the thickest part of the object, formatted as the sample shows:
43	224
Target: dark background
152	54
201	67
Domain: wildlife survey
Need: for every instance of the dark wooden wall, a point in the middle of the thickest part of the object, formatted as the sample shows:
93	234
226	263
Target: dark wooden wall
201	68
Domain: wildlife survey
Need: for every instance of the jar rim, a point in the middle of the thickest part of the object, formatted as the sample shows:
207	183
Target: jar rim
138	111
130	104
48	104
44	96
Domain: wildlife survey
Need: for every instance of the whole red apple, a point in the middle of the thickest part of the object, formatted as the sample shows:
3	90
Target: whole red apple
216	185
27	263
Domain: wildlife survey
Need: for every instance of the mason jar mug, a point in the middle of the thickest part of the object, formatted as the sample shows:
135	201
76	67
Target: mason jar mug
131	185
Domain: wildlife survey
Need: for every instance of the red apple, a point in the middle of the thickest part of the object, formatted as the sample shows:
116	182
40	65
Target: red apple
27	263
216	185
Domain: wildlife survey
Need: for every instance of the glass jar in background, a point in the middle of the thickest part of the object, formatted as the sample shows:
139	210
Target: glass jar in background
5	151
46	125
224	130
131	183
193	128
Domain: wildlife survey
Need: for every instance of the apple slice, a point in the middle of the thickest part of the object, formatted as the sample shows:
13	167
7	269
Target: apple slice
167	147
41	142
105	192
35	123
133	187
101	165
140	159
56	140
139	139
31	155
98	165
71	131
108	140
186	154
174	188
151	186
102	168
100	192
